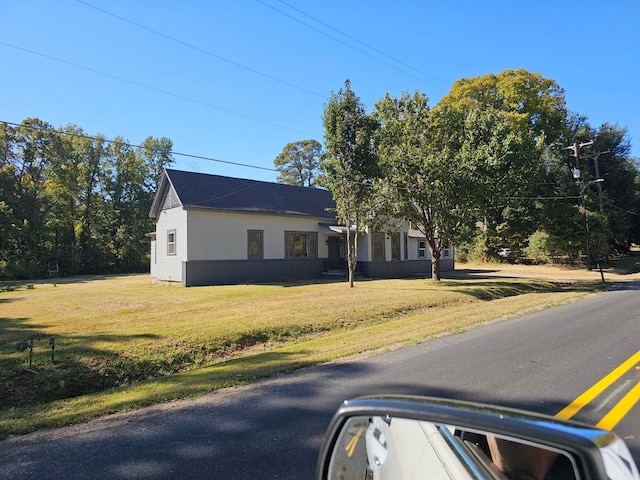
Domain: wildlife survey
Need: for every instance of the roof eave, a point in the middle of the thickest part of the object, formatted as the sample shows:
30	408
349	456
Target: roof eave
158	199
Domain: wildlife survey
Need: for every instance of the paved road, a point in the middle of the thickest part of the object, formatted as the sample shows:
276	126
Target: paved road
273	429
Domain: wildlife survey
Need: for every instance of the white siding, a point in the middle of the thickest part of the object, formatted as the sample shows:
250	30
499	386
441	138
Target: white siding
153	260
364	246
169	267
223	236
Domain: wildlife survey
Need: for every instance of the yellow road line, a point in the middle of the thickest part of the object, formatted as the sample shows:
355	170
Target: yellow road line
351	446
617	413
584	399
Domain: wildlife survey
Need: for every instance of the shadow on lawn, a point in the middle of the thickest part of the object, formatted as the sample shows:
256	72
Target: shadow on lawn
626	265
80	368
73	367
496	289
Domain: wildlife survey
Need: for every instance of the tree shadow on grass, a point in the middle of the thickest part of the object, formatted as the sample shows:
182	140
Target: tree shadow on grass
230	436
73	367
9	300
497	289
81	368
626	265
635	285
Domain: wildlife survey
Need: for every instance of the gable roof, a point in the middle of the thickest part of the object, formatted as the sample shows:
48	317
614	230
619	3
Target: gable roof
203	191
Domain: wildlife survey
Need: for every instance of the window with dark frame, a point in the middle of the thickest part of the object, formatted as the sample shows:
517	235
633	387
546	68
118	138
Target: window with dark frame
406	246
301	244
395	246
171	242
255	244
377	241
422	248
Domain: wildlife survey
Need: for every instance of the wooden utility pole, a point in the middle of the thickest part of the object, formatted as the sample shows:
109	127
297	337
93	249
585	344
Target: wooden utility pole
575	148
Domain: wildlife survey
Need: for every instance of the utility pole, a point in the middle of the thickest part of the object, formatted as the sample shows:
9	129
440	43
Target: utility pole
575	148
596	156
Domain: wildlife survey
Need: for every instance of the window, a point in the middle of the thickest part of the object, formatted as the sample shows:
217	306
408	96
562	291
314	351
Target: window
422	248
255	246
406	246
171	242
446	252
300	244
377	241
395	246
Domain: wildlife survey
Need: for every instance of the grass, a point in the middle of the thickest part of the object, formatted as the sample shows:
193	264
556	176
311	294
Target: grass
123	343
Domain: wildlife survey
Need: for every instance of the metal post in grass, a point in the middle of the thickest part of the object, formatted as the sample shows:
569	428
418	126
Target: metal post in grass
52	342
599	264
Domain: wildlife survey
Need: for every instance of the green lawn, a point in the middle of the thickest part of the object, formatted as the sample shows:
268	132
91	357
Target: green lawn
122	343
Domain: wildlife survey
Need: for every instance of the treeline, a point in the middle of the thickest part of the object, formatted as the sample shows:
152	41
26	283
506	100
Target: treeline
75	202
499	167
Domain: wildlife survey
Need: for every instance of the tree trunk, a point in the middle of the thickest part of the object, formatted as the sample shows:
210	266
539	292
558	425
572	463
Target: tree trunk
351	272
435	267
435	245
352	255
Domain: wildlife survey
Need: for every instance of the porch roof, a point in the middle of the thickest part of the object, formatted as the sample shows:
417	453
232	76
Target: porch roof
330	229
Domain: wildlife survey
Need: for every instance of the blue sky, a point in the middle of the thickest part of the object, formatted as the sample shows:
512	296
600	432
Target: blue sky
236	80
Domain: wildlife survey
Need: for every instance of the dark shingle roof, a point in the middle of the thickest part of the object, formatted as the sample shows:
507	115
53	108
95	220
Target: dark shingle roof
215	192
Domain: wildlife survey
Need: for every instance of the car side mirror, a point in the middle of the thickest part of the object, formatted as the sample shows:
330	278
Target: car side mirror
408	437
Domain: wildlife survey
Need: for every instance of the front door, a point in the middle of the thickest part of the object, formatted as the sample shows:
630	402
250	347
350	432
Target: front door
335	258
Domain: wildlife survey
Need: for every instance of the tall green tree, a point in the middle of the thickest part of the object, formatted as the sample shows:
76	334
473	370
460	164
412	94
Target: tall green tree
351	165
125	206
533	110
9	224
618	197
74	200
420	185
90	219
444	167
299	163
610	206
156	156
531	101
62	188
34	149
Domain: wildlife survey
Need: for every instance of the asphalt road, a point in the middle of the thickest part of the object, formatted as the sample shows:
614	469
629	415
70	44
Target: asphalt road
273	429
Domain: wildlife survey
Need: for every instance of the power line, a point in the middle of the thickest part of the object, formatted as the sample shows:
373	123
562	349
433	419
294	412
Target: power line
625	211
227	162
155	89
340	41
100	139
361	42
201	50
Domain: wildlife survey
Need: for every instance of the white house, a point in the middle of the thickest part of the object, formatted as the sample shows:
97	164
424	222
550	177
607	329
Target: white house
214	230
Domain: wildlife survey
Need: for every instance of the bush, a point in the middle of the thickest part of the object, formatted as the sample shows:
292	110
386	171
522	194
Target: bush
540	247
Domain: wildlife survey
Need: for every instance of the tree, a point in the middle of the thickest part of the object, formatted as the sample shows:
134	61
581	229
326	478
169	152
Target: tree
533	110
156	156
9	224
351	166
33	151
618	197
610	205
443	167
90	210
531	101
299	163
76	200
419	185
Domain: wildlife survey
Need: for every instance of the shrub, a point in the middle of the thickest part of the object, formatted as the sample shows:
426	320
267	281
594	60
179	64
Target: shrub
540	246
